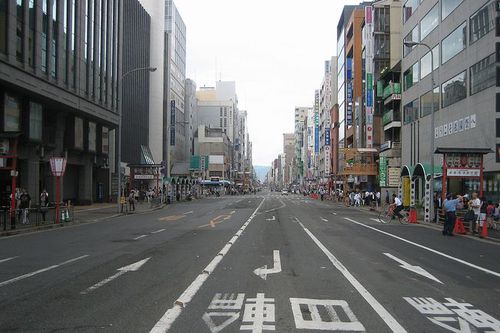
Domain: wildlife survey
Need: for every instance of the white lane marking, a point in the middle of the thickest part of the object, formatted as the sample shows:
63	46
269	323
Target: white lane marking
25	276
186	213
273	219
232	212
333	213
379	309
139	237
323	219
231	317
122	270
264	271
7	259
415	269
374	219
158	231
169	317
283	205
427	248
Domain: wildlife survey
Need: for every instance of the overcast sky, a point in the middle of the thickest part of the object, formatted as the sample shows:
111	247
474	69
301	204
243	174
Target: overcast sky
274	50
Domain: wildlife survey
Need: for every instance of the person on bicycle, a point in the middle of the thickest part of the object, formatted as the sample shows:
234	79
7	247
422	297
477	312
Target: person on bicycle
398	206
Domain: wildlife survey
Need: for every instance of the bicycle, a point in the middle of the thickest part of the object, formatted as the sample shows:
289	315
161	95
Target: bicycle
387	215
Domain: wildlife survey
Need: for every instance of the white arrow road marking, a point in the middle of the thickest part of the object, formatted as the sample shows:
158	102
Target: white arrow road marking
415	269
139	237
7	259
263	271
323	219
273	219
231	317
25	276
129	268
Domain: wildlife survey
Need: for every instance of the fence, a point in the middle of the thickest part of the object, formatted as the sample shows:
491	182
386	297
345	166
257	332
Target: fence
30	217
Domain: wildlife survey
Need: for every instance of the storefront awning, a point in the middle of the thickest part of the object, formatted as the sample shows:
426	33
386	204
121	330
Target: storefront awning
424	169
484	151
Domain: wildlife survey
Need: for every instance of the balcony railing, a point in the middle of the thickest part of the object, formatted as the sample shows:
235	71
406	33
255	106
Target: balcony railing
391	89
391	116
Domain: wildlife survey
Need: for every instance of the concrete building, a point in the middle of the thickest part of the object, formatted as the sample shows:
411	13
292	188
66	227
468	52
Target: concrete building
175	93
387	41
325	121
466	96
299	121
289	153
215	144
191	115
136	85
59	87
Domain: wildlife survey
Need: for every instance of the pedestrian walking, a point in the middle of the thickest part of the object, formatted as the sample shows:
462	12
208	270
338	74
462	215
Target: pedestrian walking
378	198
24	206
482	216
131	200
44	204
475	205
437	206
450	207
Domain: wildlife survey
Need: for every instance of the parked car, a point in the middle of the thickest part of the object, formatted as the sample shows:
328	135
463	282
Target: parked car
284	192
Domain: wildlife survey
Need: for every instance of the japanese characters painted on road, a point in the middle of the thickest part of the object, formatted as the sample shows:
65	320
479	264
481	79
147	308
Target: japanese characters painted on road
324	315
258	316
264	271
455	316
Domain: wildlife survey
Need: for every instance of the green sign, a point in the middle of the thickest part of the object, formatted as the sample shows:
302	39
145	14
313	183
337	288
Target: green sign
388	117
369	81
382	171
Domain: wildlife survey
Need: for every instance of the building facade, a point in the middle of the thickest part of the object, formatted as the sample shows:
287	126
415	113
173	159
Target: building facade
60	64
465	97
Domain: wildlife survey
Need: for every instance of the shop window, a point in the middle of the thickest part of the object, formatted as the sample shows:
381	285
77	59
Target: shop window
454	90
482	74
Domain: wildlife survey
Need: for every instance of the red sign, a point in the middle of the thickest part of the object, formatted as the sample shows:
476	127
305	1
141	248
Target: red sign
57	166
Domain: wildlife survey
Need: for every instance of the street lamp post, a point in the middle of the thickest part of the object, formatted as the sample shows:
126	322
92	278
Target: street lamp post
431	183
120	107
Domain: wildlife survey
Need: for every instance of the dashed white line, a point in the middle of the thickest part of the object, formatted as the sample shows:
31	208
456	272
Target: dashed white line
186	213
139	237
333	213
167	320
158	231
323	219
7	259
25	276
427	248
379	309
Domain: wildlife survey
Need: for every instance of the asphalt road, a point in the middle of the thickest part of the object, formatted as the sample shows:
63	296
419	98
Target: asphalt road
248	264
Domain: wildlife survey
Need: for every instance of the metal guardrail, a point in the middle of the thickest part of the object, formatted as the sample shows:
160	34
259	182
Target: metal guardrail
33	217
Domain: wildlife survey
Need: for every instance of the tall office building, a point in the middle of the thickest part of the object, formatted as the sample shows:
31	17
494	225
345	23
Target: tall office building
60	64
289	153
175	92
300	125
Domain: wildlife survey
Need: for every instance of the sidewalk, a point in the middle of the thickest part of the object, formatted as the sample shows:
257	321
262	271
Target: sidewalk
493	235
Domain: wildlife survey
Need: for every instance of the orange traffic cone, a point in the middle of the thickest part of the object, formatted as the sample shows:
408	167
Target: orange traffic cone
484	230
459	227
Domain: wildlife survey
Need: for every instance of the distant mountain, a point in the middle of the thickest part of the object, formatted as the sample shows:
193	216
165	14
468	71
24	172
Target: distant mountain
261	171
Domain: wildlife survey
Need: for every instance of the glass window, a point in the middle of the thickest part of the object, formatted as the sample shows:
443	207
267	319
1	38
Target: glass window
483	74
498	127
453	43
3	26
410	76
429	101
72	54
482	22
429	22
36	122
45	33
105	141
12	114
425	62
92	136
409	8
410	112
20	30
31	35
454	90
413	36
447	6
53	43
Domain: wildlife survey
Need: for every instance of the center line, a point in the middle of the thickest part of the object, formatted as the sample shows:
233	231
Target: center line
157	231
139	237
379	309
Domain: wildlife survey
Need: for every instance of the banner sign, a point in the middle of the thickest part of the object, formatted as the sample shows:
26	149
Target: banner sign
382	171
316	122
172	122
